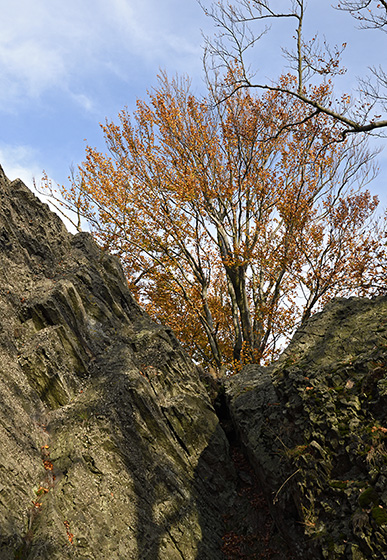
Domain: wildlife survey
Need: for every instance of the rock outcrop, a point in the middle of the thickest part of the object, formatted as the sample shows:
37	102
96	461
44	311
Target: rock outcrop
110	447
314	425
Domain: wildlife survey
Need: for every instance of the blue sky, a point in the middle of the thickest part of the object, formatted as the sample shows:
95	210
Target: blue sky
65	66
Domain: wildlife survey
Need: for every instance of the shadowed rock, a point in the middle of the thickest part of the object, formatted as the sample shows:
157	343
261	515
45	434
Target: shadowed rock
110	447
314	425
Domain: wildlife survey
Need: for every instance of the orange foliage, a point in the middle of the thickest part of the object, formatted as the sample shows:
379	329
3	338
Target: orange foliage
229	231
70	535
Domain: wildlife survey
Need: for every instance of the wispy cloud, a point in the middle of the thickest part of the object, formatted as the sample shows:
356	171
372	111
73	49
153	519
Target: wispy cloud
30	60
84	101
149	28
20	162
55	44
47	45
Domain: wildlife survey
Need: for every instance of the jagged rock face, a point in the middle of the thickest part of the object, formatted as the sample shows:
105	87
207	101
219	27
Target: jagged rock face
110	447
315	426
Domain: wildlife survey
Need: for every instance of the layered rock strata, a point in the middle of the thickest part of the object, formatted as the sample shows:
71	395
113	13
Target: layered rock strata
109	443
110	447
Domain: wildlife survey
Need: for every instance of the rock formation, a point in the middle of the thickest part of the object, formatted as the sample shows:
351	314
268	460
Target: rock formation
110	446
314	425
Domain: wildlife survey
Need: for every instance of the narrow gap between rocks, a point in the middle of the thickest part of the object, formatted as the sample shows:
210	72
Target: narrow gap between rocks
250	531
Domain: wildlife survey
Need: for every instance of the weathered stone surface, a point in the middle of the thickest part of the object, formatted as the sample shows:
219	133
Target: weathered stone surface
315	425
110	447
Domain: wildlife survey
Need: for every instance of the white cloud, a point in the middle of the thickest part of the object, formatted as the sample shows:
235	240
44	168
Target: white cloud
152	28
84	101
29	68
59	44
20	162
44	44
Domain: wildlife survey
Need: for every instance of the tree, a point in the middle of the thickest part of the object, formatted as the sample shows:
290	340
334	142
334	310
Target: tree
312	62
229	232
372	14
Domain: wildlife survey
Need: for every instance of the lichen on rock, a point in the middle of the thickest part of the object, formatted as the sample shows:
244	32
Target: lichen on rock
315	425
110	445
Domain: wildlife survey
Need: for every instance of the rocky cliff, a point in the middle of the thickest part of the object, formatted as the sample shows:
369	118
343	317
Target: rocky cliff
110	445
314	425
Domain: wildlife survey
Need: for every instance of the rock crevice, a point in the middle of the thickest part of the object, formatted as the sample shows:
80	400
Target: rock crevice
110	443
314	425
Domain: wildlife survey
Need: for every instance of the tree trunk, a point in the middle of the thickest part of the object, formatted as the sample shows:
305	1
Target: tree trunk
237	278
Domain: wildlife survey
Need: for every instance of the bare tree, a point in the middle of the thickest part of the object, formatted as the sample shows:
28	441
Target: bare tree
312	62
372	14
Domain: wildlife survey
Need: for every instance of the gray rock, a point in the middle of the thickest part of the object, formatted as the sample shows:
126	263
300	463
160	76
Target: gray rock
110	446
314	425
